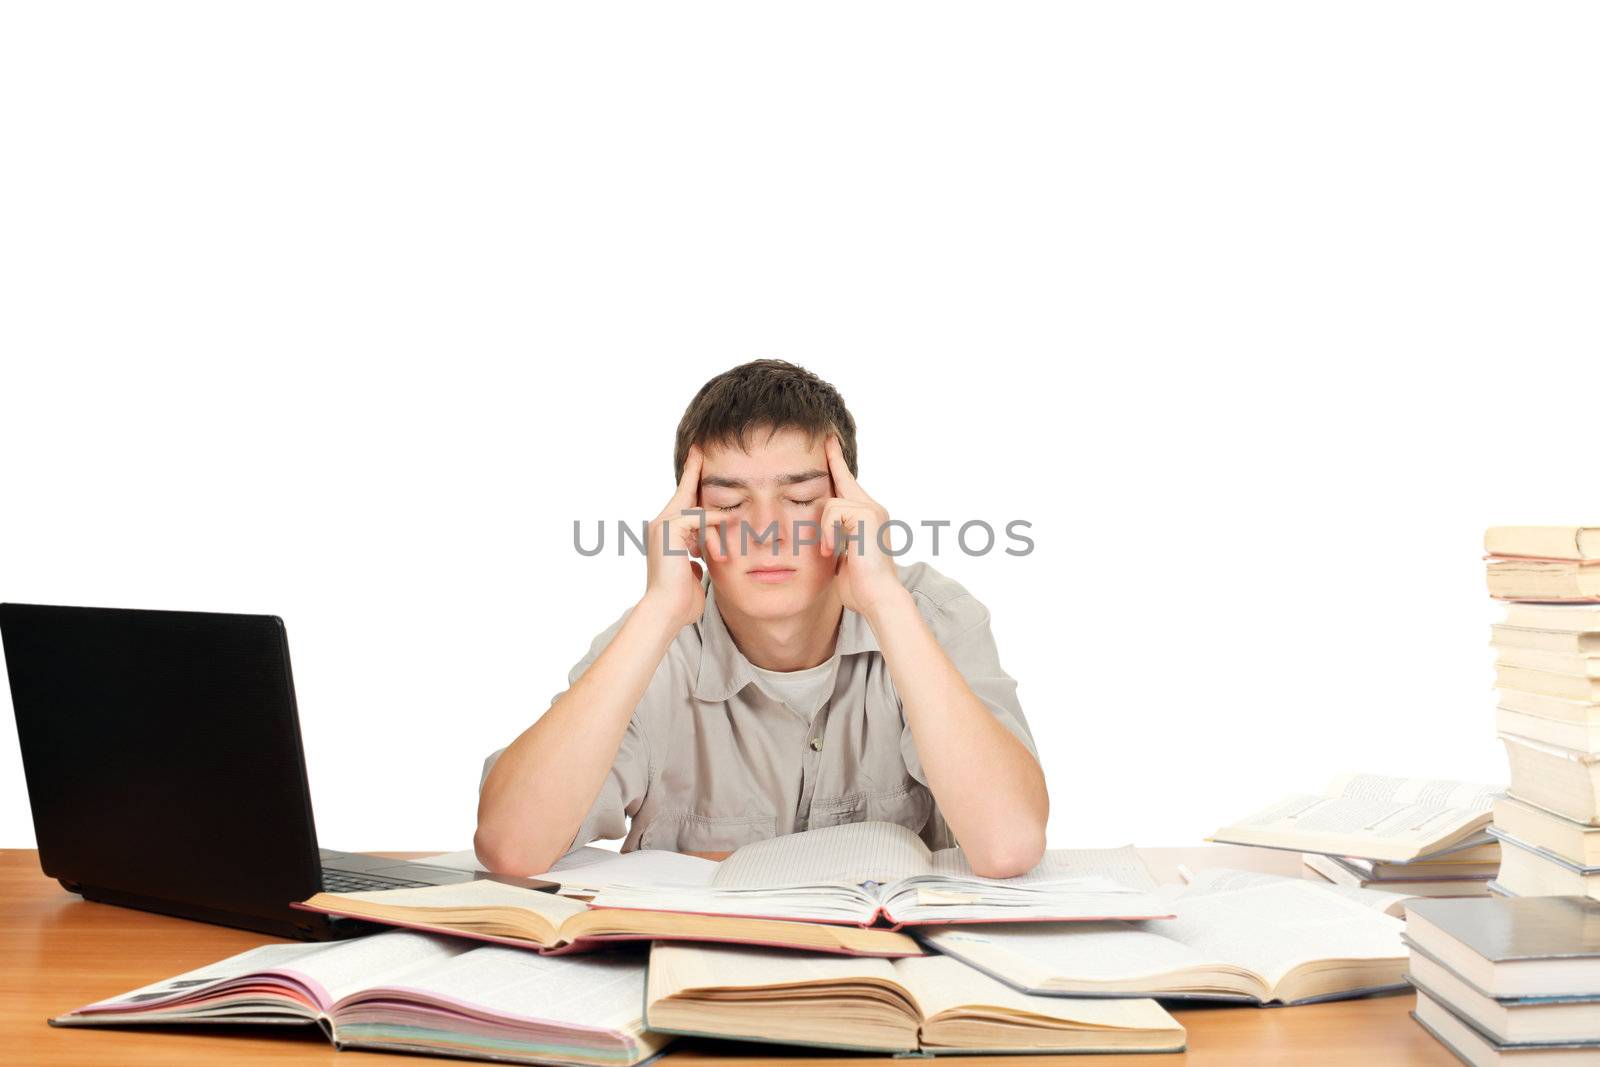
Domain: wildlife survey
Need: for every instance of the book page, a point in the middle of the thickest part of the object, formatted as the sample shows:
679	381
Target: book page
824	902
1032	954
941	984
1271	928
602	989
1222	879
189	983
646	867
1264	928
852	853
1422	792
341	968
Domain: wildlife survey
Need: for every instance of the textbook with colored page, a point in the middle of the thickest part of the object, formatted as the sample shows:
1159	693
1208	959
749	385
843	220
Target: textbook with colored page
406	992
927	1005
1374	816
1237	936
506	914
881	872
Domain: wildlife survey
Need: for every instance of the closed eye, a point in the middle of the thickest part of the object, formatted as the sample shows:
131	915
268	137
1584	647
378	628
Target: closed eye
732	507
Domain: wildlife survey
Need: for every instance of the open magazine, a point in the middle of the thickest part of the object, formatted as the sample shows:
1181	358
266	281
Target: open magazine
867	872
410	992
1237	935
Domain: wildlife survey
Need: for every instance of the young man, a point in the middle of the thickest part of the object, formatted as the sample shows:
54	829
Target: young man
801	679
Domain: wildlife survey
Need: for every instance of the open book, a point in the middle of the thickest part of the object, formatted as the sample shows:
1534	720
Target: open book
1372	816
1259	938
409	992
511	915
928	1003
863	872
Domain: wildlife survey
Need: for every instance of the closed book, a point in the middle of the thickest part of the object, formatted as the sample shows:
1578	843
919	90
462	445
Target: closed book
1546	542
1506	1019
1530	871
1559	779
1576	664
1535	826
1576	643
1543	579
1547	683
1341	871
1566	618
1513	946
1578	736
1443	869
1549	707
1471	1045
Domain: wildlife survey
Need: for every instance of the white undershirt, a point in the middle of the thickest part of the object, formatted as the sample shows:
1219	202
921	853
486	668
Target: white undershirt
804	690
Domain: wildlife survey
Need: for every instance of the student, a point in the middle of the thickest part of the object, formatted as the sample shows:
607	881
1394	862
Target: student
794	681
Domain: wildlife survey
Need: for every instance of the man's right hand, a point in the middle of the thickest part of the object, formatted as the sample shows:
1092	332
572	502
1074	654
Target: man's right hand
673	580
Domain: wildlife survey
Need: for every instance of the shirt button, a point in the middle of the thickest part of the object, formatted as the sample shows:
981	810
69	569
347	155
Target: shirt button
816	744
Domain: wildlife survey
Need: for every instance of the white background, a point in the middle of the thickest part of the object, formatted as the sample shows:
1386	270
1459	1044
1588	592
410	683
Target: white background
1259	313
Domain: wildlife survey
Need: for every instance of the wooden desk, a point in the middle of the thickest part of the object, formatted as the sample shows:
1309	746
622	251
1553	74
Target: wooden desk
59	952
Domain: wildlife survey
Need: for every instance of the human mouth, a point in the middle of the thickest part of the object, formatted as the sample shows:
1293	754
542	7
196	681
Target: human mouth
771	574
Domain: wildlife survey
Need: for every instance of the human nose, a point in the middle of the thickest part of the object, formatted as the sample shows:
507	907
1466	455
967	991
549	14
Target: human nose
769	533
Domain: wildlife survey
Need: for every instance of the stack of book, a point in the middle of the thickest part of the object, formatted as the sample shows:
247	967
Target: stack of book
1547	673
1410	836
1504	981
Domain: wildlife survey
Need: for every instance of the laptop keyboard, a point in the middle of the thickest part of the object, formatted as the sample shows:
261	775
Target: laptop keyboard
351	882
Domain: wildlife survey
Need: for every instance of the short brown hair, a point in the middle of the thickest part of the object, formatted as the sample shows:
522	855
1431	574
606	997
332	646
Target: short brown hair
772	393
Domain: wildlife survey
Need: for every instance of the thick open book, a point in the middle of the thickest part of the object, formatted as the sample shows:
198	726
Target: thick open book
1372	816
408	992
1237	936
868	872
930	1004
507	914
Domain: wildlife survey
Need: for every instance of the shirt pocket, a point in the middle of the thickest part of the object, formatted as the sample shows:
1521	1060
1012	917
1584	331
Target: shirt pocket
911	805
687	831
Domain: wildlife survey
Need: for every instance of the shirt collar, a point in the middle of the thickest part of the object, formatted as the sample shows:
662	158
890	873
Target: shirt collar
724	670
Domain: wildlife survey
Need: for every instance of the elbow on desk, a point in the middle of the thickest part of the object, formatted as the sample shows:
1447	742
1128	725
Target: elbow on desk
501	854
1018	853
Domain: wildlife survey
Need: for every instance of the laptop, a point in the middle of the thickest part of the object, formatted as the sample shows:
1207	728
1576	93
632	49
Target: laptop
165	772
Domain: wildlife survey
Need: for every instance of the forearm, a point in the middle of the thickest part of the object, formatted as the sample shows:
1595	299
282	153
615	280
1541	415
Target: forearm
989	786
537	793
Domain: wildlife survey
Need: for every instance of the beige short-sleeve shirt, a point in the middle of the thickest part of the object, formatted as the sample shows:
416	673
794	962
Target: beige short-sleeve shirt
714	759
